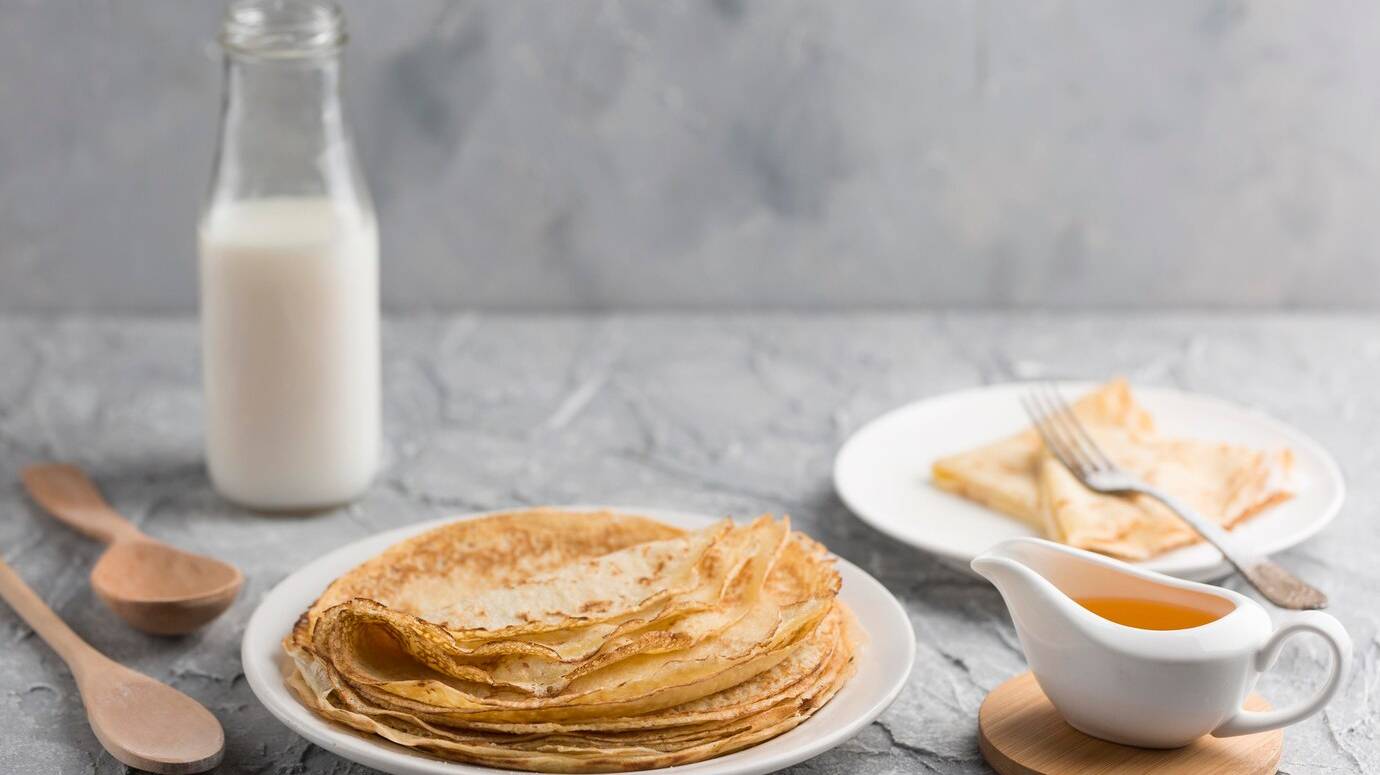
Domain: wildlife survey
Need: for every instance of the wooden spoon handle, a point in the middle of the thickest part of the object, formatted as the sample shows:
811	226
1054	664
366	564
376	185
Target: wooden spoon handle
76	652
67	493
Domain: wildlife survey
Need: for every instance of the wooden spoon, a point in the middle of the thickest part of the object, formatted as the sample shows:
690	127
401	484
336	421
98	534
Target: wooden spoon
145	724
155	587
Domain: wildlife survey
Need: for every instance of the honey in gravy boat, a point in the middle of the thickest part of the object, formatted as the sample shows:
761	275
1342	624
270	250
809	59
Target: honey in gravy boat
1140	658
1148	614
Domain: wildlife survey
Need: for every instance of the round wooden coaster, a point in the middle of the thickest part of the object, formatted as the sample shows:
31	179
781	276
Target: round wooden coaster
1020	733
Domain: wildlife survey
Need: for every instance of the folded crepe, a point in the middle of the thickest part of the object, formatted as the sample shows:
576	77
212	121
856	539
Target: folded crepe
1226	483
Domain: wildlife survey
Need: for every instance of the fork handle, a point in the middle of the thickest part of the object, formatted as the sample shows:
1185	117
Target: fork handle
1278	585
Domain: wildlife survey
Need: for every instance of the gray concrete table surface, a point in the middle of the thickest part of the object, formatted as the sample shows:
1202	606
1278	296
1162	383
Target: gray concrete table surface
722	414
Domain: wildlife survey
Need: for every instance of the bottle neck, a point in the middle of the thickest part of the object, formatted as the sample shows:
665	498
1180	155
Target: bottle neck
283	132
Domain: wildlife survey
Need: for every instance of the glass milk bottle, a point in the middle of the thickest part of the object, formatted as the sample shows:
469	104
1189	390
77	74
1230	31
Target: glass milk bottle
289	271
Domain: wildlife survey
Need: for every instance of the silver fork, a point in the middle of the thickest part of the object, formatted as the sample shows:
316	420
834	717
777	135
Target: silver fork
1071	444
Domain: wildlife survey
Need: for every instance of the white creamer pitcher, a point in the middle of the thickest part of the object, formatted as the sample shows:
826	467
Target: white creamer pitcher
1150	688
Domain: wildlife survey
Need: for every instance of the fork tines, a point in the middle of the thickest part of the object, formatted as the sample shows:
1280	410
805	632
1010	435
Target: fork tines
1063	433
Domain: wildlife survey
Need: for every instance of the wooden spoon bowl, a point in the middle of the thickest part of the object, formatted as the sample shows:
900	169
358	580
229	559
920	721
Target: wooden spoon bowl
149	725
157	588
161	589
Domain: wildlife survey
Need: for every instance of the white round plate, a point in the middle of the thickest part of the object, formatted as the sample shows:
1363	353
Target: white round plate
882	473
883	663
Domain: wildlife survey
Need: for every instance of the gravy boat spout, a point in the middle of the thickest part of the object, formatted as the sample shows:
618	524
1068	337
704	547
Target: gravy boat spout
1040	610
1156	688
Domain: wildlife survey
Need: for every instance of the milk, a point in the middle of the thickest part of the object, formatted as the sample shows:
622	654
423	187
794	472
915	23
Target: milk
290	351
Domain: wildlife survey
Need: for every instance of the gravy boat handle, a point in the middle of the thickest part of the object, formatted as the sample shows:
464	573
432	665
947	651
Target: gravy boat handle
1247	722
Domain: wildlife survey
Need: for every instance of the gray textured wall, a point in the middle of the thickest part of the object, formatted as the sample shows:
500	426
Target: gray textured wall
739	153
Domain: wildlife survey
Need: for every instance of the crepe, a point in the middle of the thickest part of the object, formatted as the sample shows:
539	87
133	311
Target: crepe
1002	475
582	643
515	680
423	573
1225	483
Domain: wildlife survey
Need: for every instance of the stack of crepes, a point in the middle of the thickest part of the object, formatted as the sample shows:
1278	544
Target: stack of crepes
579	642
1226	483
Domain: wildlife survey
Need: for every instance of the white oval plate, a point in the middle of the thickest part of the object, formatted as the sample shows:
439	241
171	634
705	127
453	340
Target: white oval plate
882	473
884	663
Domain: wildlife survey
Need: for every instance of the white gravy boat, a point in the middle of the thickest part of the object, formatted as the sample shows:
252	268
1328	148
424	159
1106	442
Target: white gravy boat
1149	688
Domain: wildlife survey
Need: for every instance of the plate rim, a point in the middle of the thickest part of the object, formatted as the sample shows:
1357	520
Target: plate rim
265	682
1200	571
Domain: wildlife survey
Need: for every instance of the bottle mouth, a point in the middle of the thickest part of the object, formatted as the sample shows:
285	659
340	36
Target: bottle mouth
282	29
